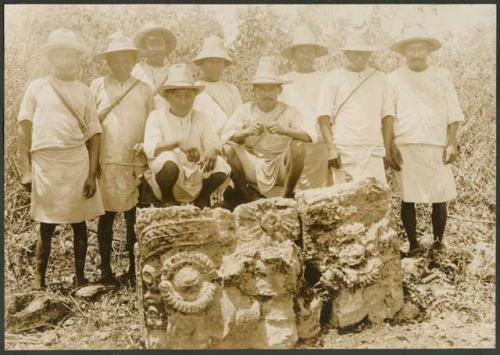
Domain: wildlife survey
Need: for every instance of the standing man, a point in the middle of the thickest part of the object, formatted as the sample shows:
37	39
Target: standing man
350	114
266	136
183	150
123	105
421	136
57	117
157	43
303	94
220	98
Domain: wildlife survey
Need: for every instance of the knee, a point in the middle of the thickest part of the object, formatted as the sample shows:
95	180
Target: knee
229	154
297	150
168	172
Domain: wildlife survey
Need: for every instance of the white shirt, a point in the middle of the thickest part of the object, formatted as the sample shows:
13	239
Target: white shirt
423	105
359	121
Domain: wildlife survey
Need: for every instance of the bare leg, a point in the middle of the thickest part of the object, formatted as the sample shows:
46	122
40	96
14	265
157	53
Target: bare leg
409	217
42	253
105	240
166	178
80	246
209	185
239	176
439	216
131	239
294	166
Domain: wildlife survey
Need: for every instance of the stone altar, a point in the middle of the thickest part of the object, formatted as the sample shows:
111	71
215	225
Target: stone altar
218	279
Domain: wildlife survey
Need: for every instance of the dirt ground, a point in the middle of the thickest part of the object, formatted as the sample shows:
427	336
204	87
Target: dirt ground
457	308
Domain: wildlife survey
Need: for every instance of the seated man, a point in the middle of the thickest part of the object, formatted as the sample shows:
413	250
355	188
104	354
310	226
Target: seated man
265	136
182	147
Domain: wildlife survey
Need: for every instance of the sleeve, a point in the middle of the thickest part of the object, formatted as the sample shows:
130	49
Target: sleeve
326	99
388	98
206	104
152	135
28	105
210	139
234	124
298	121
453	111
94	126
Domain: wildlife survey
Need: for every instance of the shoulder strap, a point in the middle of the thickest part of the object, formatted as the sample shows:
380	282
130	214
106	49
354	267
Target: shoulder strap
160	86
352	93
81	121
104	113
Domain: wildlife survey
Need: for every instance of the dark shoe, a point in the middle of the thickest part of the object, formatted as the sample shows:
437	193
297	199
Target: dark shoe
78	283
412	253
109	280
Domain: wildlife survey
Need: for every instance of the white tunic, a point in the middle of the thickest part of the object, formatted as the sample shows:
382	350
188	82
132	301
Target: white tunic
303	93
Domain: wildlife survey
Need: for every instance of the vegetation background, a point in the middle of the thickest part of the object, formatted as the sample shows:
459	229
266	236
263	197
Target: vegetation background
256	31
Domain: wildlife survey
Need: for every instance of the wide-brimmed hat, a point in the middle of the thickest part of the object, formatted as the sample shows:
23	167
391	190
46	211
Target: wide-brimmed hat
303	37
118	42
414	34
267	72
62	39
358	41
180	77
149	28
213	47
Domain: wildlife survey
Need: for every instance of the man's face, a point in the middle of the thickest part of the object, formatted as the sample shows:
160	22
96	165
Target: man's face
212	68
181	99
64	61
266	95
358	60
121	63
416	54
156	47
304	57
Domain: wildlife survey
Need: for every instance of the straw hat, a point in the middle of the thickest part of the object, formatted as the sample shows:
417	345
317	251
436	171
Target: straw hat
268	72
119	43
149	28
179	77
413	34
63	39
303	37
213	47
358	41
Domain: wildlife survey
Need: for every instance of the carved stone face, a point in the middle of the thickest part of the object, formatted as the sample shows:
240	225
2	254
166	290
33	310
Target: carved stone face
154	318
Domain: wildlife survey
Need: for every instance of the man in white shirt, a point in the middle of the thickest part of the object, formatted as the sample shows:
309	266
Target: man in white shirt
183	150
156	42
123	105
351	105
266	136
303	93
421	136
219	99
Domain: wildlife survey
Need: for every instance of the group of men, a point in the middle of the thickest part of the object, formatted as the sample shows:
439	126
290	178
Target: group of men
84	150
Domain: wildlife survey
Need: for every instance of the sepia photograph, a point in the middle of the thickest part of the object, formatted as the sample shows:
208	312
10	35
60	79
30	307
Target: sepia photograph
249	176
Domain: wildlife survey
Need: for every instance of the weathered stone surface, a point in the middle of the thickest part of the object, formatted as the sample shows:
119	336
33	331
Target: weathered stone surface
216	279
91	292
349	236
31	311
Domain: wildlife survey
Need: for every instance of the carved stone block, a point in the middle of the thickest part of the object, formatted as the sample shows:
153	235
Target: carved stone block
350	237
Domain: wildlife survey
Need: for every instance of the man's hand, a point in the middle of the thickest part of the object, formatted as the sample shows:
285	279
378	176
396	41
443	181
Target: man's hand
450	153
26	181
90	187
210	160
334	160
275	128
190	150
393	157
255	129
